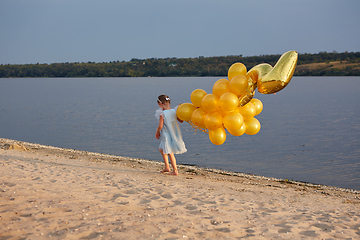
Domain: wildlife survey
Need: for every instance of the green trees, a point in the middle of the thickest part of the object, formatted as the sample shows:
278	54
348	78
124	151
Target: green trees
201	66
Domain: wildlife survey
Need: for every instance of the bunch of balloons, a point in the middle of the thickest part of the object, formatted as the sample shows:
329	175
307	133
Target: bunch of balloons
231	105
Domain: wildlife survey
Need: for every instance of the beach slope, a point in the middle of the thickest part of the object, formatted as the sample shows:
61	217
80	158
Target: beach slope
53	193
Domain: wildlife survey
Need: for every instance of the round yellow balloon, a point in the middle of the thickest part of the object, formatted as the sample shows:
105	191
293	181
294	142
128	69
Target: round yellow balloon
197	96
236	69
198	117
258	105
210	103
213	120
222	112
228	101
252	126
184	111
247	111
233	121
238	132
238	85
217	136
220	87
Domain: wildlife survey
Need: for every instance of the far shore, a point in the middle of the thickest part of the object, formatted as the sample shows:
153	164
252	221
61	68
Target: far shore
50	192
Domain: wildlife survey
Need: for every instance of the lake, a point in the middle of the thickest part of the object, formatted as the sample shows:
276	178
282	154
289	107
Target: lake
310	131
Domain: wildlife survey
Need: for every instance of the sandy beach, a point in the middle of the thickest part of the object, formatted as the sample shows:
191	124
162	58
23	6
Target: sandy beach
54	193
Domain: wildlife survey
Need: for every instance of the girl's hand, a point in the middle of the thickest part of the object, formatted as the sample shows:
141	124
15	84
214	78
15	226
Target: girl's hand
161	124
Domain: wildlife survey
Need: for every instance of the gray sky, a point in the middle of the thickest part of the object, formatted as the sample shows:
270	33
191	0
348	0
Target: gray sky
53	31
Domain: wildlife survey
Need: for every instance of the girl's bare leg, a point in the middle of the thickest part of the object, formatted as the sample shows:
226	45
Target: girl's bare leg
166	161
173	164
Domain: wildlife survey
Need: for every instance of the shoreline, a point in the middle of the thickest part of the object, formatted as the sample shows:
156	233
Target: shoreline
192	169
50	192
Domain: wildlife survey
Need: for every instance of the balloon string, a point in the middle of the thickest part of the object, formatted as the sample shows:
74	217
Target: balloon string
197	128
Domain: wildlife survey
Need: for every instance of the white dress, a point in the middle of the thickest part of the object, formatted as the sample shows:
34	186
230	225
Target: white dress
170	135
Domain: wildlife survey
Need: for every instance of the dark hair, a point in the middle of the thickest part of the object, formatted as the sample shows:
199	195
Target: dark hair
163	99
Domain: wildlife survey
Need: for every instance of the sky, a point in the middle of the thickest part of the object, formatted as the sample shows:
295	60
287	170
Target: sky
58	31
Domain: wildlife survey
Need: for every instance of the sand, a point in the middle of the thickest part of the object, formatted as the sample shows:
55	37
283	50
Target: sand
53	193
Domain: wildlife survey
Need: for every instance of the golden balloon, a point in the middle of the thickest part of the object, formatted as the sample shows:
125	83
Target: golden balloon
228	101
247	111
197	96
184	111
258	105
238	85
220	87
222	112
210	102
198	117
252	126
281	74
233	121
213	120
259	71
238	132
232	105
245	97
236	69
253	75
217	136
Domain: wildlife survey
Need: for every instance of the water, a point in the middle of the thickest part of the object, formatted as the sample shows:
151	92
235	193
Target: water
310	131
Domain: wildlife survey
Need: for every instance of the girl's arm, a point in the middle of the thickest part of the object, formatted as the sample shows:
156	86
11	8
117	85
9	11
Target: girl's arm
161	123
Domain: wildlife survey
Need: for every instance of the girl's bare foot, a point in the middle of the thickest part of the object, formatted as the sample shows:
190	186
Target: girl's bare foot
173	173
165	170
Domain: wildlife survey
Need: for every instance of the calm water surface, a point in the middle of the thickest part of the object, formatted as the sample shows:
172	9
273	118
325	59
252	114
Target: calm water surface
310	130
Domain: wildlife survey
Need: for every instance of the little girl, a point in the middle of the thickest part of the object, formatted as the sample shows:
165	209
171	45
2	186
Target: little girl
170	134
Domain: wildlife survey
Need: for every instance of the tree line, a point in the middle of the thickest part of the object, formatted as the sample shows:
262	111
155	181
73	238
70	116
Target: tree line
349	65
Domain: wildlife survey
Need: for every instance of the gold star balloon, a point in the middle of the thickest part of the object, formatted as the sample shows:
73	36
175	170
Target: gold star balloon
278	77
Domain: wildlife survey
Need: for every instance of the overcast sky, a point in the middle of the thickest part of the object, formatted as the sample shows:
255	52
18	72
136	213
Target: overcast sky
54	31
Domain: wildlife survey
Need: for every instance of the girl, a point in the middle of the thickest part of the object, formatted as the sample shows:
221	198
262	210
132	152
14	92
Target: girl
169	132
